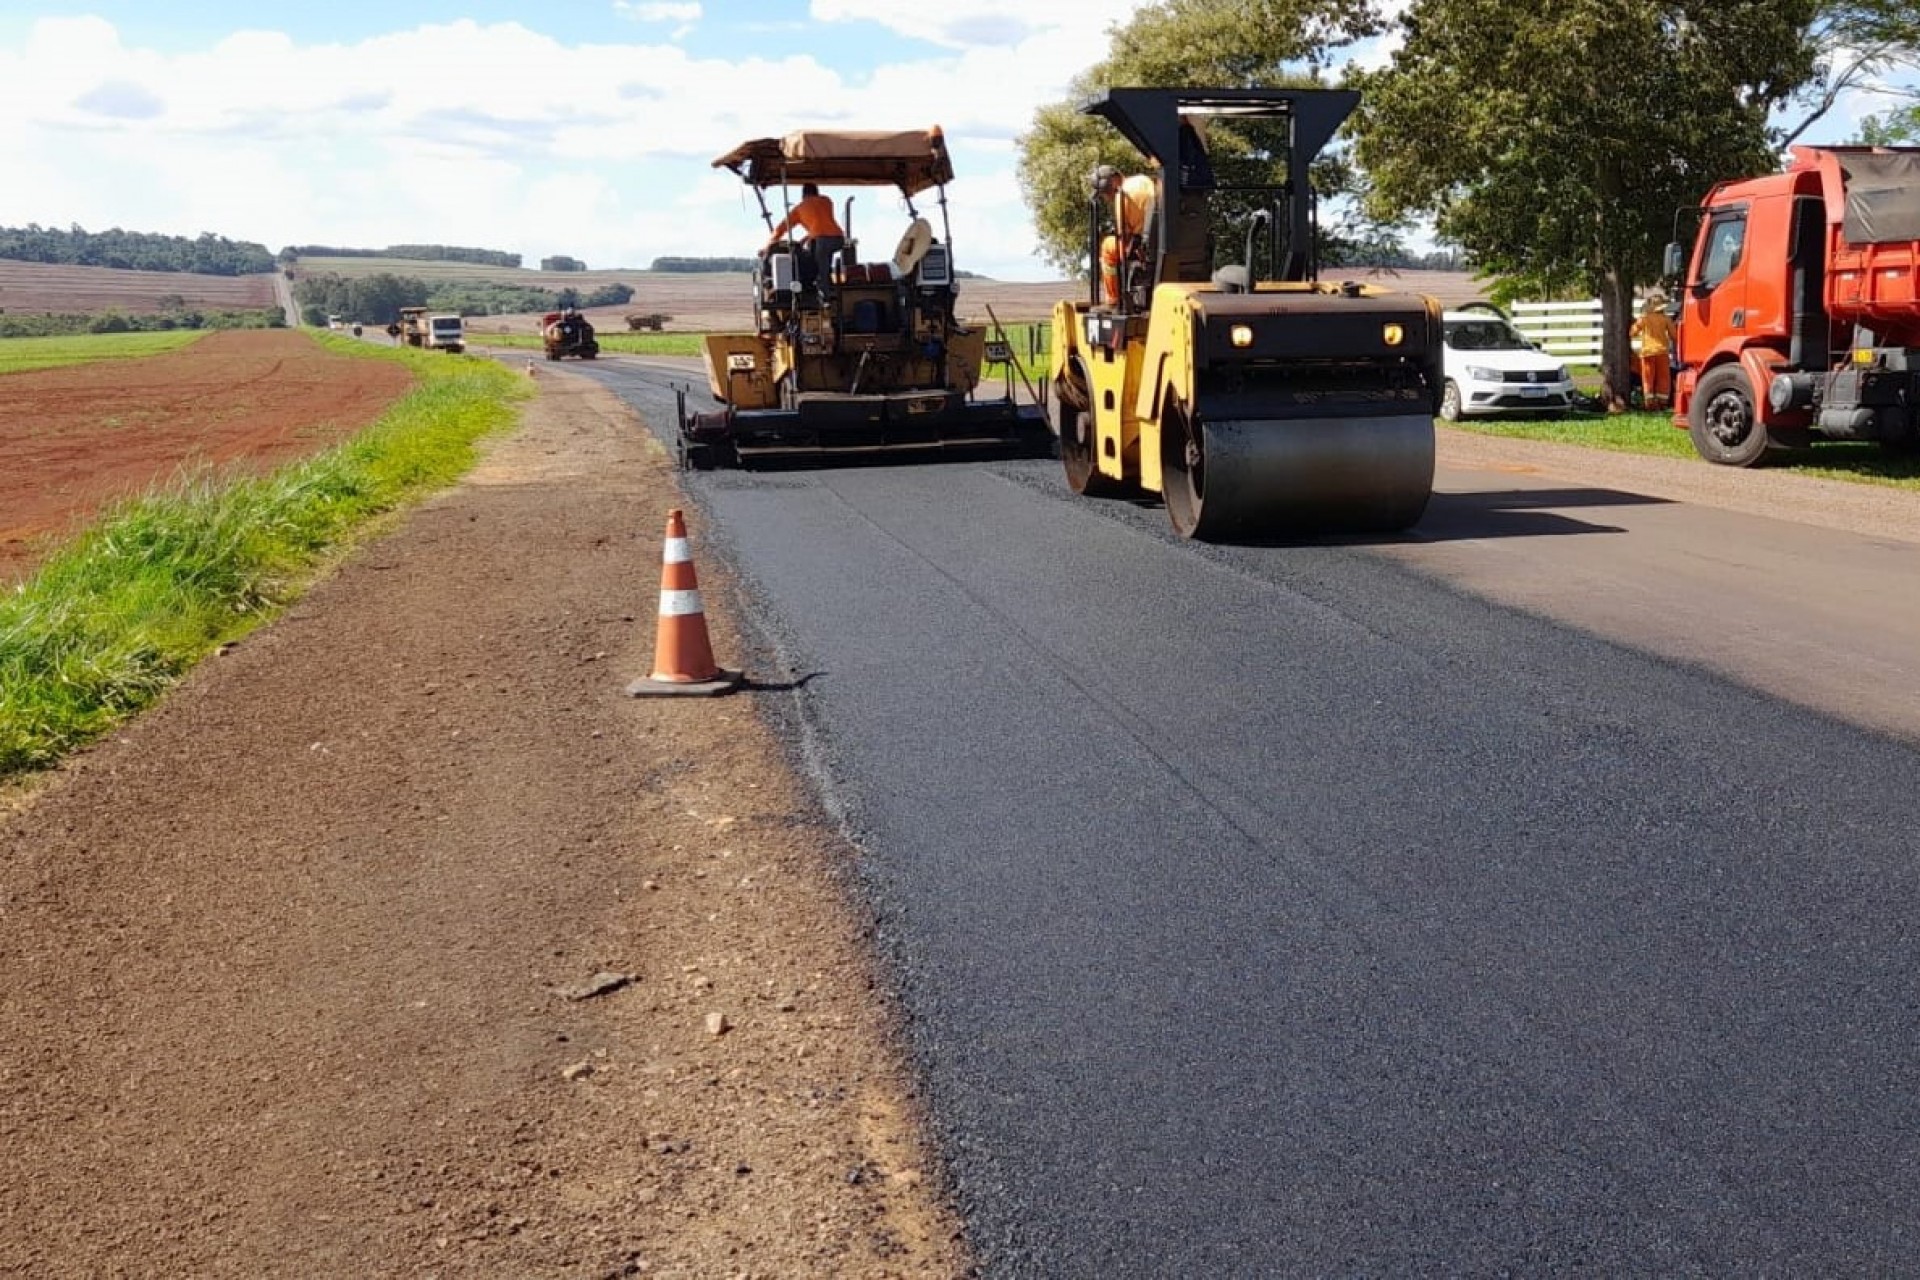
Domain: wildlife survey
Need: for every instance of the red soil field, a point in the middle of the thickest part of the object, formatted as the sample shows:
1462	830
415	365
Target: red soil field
33	287
75	440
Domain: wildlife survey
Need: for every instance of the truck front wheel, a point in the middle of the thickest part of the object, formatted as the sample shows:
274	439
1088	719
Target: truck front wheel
1722	422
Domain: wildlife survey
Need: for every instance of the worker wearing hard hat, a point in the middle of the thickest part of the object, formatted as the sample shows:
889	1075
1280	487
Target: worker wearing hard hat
1652	338
813	215
1133	200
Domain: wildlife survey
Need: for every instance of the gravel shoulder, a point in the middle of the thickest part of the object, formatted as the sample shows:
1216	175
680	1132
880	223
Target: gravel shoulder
296	963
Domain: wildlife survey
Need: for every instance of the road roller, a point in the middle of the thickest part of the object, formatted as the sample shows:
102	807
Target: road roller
1258	400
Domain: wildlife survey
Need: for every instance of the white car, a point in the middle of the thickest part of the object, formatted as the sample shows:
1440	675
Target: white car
1490	369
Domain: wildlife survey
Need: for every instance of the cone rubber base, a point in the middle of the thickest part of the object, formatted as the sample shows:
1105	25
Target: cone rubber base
722	682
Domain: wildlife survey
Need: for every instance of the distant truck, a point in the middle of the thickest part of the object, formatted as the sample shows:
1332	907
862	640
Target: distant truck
416	328
568	333
1799	312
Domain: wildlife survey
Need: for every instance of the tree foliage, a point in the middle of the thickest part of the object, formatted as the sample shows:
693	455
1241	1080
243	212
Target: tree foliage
373	299
410	252
134	250
64	324
1860	44
1554	143
1893	128
377	298
1222	44
702	265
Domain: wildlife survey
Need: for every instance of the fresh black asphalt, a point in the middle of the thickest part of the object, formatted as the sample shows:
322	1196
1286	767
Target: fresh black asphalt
1277	911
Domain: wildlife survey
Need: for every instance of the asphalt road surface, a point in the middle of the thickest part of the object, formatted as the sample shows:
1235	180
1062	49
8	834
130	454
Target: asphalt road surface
1431	905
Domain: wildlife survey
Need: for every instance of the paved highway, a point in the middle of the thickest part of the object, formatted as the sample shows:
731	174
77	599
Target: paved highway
1397	908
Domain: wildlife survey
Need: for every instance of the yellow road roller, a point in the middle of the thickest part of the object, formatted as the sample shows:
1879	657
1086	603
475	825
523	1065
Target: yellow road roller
1257	400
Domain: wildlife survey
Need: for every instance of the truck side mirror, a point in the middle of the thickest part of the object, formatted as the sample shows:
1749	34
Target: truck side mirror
1672	263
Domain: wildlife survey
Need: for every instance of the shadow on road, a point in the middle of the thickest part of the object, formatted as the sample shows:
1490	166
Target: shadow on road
1520	513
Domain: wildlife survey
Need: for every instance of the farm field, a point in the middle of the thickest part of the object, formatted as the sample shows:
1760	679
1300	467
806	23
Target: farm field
697	302
20	355
75	439
44	286
707	302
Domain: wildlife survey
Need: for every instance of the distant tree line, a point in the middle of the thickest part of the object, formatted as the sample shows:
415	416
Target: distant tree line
1370	253
64	324
414	252
377	298
561	262
703	264
207	254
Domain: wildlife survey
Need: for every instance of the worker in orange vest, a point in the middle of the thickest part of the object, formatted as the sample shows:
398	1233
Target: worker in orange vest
814	215
1652	337
1133	200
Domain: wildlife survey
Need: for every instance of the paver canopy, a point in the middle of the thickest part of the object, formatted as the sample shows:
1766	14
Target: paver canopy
913	160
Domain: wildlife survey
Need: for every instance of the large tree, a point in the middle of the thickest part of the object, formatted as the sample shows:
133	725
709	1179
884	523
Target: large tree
1555	143
1216	44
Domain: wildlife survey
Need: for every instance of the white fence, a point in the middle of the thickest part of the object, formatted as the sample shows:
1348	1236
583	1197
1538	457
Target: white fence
1570	330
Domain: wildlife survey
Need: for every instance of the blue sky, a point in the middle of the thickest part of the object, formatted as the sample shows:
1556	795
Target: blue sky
584	128
578	127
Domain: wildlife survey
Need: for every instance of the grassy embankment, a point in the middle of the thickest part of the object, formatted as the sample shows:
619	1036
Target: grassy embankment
18	355
124	611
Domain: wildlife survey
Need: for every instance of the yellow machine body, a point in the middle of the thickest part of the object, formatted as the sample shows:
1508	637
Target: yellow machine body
850	354
1253	406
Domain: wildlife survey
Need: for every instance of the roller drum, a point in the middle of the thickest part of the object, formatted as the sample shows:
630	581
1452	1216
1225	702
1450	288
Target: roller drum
1265	477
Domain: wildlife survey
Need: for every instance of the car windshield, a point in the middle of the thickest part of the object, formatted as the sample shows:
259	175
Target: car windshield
1491	334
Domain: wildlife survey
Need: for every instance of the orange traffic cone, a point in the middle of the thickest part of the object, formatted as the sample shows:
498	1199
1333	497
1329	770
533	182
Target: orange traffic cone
682	654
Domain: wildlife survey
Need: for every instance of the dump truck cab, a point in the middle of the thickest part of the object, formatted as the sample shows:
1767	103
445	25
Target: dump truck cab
1798	316
852	348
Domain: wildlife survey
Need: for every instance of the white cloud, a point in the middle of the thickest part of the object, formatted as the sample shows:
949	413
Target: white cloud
988	23
501	136
643	12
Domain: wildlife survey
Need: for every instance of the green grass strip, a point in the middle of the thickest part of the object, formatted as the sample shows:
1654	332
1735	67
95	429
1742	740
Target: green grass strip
18	355
128	608
1652	433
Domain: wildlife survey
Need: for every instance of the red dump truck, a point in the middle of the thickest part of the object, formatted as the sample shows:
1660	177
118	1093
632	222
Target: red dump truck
1799	317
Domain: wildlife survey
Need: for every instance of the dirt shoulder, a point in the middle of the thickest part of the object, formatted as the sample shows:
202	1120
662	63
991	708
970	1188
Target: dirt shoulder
294	962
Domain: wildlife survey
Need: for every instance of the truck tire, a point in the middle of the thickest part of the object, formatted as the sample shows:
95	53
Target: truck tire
1722	421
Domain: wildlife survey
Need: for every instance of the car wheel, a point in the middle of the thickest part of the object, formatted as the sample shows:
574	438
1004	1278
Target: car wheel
1721	420
1450	401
